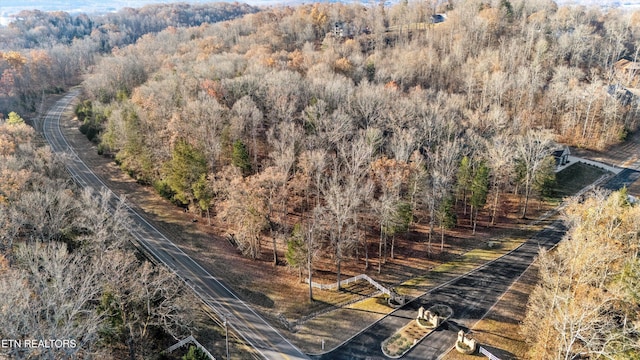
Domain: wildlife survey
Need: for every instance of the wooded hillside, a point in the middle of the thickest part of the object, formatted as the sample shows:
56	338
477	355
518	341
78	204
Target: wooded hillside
45	52
586	303
351	120
315	133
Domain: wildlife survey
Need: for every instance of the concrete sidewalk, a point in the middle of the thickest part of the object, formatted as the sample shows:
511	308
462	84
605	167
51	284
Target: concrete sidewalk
574	159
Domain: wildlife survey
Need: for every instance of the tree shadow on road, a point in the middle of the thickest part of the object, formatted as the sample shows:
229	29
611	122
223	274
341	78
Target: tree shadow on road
256	297
455	327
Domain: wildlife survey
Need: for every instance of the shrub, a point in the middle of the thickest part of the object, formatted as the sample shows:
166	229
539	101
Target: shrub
163	189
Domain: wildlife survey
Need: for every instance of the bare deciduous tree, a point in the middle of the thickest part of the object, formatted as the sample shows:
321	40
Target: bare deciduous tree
246	212
531	151
501	162
441	168
342	196
246	109
583	305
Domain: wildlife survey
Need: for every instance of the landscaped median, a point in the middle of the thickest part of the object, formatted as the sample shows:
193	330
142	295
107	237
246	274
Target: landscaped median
410	335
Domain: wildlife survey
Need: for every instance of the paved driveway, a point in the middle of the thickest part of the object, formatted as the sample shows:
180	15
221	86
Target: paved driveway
470	296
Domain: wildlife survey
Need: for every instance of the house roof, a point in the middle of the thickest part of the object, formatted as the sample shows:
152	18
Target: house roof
438	18
558	152
624	64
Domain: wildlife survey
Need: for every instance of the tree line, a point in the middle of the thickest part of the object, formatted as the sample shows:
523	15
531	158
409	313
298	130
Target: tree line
45	52
586	302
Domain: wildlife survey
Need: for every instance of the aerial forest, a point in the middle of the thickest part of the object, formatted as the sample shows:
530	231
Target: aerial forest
320	134
67	268
355	122
44	53
586	302
70	276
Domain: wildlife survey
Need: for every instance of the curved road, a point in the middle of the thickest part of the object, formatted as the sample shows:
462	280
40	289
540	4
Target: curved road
246	322
470	296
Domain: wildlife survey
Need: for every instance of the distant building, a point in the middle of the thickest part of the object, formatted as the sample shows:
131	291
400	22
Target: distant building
343	30
338	30
625	95
438	18
627	72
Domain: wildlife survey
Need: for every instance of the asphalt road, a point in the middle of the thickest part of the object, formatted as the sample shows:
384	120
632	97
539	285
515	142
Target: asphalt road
622	179
246	322
470	297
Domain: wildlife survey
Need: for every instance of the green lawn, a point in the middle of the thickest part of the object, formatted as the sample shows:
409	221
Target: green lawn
572	179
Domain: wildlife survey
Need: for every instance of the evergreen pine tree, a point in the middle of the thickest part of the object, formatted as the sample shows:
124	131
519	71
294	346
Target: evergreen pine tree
240	157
